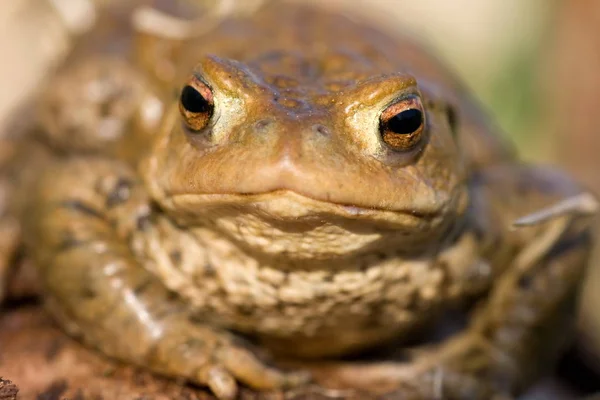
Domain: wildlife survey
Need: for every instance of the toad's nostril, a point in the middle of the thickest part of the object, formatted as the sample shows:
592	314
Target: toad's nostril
320	129
262	125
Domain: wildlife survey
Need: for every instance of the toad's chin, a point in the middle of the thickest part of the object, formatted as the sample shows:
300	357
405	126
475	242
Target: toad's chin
287	223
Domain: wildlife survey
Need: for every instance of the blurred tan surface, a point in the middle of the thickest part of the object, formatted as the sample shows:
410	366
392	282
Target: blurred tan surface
34	36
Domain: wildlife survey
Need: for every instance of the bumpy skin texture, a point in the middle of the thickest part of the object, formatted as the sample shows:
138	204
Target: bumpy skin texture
288	218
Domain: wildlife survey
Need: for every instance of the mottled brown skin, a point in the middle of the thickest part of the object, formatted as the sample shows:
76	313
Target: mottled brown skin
291	218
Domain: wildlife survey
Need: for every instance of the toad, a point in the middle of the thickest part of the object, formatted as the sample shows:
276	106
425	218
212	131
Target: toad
297	186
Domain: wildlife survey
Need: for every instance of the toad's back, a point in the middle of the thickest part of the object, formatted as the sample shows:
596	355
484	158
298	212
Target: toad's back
306	52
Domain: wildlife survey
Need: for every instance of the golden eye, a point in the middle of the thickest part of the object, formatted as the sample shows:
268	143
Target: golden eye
402	124
196	104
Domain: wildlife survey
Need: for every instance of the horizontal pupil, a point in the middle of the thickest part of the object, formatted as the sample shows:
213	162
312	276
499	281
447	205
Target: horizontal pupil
193	101
406	122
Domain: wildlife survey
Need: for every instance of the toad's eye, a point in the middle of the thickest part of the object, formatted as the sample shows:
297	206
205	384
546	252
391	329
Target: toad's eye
196	104
402	124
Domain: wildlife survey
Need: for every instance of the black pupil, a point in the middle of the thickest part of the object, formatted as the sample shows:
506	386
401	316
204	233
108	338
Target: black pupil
406	122
193	101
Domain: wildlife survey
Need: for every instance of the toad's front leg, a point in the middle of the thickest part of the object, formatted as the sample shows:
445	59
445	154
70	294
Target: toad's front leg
519	329
543	240
81	216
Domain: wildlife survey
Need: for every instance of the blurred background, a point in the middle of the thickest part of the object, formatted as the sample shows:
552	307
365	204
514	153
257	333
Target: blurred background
535	64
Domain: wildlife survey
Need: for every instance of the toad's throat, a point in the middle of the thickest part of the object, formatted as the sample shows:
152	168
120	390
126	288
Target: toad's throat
373	295
309	235
288	227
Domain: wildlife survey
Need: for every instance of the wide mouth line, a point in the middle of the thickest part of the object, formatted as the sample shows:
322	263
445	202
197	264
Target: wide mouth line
350	209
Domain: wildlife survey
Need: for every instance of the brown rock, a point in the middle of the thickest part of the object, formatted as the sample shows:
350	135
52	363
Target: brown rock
8	390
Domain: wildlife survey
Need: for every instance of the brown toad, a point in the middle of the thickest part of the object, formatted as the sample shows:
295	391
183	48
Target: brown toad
314	185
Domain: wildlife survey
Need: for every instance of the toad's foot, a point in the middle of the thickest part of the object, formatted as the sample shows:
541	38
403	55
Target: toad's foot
212	358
